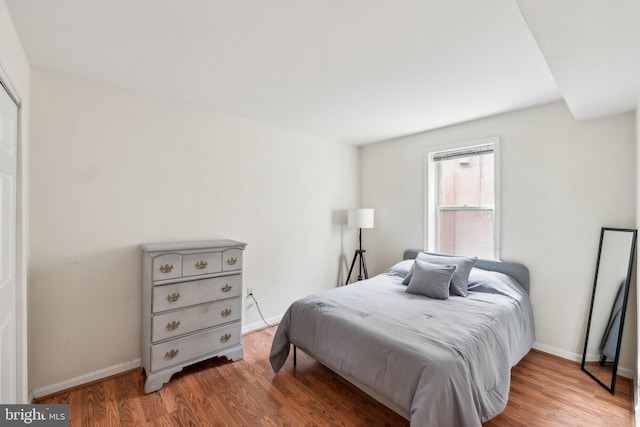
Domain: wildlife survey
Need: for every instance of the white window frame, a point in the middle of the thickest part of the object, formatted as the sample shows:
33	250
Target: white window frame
431	235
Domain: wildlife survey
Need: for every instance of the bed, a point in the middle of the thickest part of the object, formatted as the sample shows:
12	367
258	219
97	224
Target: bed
437	362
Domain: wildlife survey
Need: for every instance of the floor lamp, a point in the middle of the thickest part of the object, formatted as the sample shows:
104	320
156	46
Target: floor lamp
360	218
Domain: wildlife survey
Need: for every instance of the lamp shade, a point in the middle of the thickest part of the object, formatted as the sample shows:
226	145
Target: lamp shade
360	218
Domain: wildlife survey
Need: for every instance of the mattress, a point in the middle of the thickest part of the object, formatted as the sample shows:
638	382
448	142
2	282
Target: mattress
444	362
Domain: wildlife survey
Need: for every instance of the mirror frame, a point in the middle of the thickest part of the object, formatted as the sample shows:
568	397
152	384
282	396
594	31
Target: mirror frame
627	282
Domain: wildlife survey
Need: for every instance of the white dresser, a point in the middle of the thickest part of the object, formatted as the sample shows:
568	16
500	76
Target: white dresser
191	305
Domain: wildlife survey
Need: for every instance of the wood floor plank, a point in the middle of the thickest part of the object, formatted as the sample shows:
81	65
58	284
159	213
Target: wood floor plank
154	406
546	391
129	395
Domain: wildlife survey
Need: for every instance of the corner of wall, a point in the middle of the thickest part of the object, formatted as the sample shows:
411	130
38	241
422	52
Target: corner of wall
636	380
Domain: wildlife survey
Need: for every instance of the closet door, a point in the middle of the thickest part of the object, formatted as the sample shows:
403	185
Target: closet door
8	281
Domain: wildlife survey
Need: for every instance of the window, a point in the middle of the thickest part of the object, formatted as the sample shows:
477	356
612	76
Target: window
462	194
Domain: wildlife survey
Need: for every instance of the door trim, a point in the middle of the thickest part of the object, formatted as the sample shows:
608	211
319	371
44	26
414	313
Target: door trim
7	82
22	365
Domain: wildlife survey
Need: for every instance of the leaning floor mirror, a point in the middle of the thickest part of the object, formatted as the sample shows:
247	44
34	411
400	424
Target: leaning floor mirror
608	305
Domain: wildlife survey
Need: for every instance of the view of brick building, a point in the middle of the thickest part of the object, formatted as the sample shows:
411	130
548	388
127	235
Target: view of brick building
466	205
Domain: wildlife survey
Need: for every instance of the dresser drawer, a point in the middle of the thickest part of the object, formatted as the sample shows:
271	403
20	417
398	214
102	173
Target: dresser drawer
197	264
179	322
180	295
167	266
190	347
232	260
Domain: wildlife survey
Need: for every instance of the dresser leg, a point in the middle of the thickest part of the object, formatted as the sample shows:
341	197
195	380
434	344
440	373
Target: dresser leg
155	382
236	354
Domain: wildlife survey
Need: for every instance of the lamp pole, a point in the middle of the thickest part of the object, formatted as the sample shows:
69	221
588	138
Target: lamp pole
362	265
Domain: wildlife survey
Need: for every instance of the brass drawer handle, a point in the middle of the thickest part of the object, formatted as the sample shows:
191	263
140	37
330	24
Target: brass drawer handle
166	268
232	261
226	312
171	354
226	288
225	338
173	325
173	297
201	264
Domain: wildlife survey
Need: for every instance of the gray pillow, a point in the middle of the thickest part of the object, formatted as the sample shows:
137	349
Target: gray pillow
460	281
430	280
400	269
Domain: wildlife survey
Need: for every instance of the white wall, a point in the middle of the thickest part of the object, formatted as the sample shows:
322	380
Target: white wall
15	71
111	169
562	181
636	394
12	55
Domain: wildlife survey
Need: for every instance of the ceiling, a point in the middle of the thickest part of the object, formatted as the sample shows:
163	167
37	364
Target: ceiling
356	71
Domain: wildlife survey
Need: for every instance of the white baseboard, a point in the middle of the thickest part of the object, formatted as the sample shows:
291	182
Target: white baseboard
625	372
123	367
557	352
622	371
256	326
86	378
252	327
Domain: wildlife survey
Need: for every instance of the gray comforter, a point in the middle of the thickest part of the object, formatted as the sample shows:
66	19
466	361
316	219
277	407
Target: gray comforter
446	362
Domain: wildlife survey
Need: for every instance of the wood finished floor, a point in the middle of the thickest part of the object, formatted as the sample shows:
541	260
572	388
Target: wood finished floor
545	391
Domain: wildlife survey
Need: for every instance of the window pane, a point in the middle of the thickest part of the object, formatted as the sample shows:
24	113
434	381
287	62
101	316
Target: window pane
467	233
467	181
